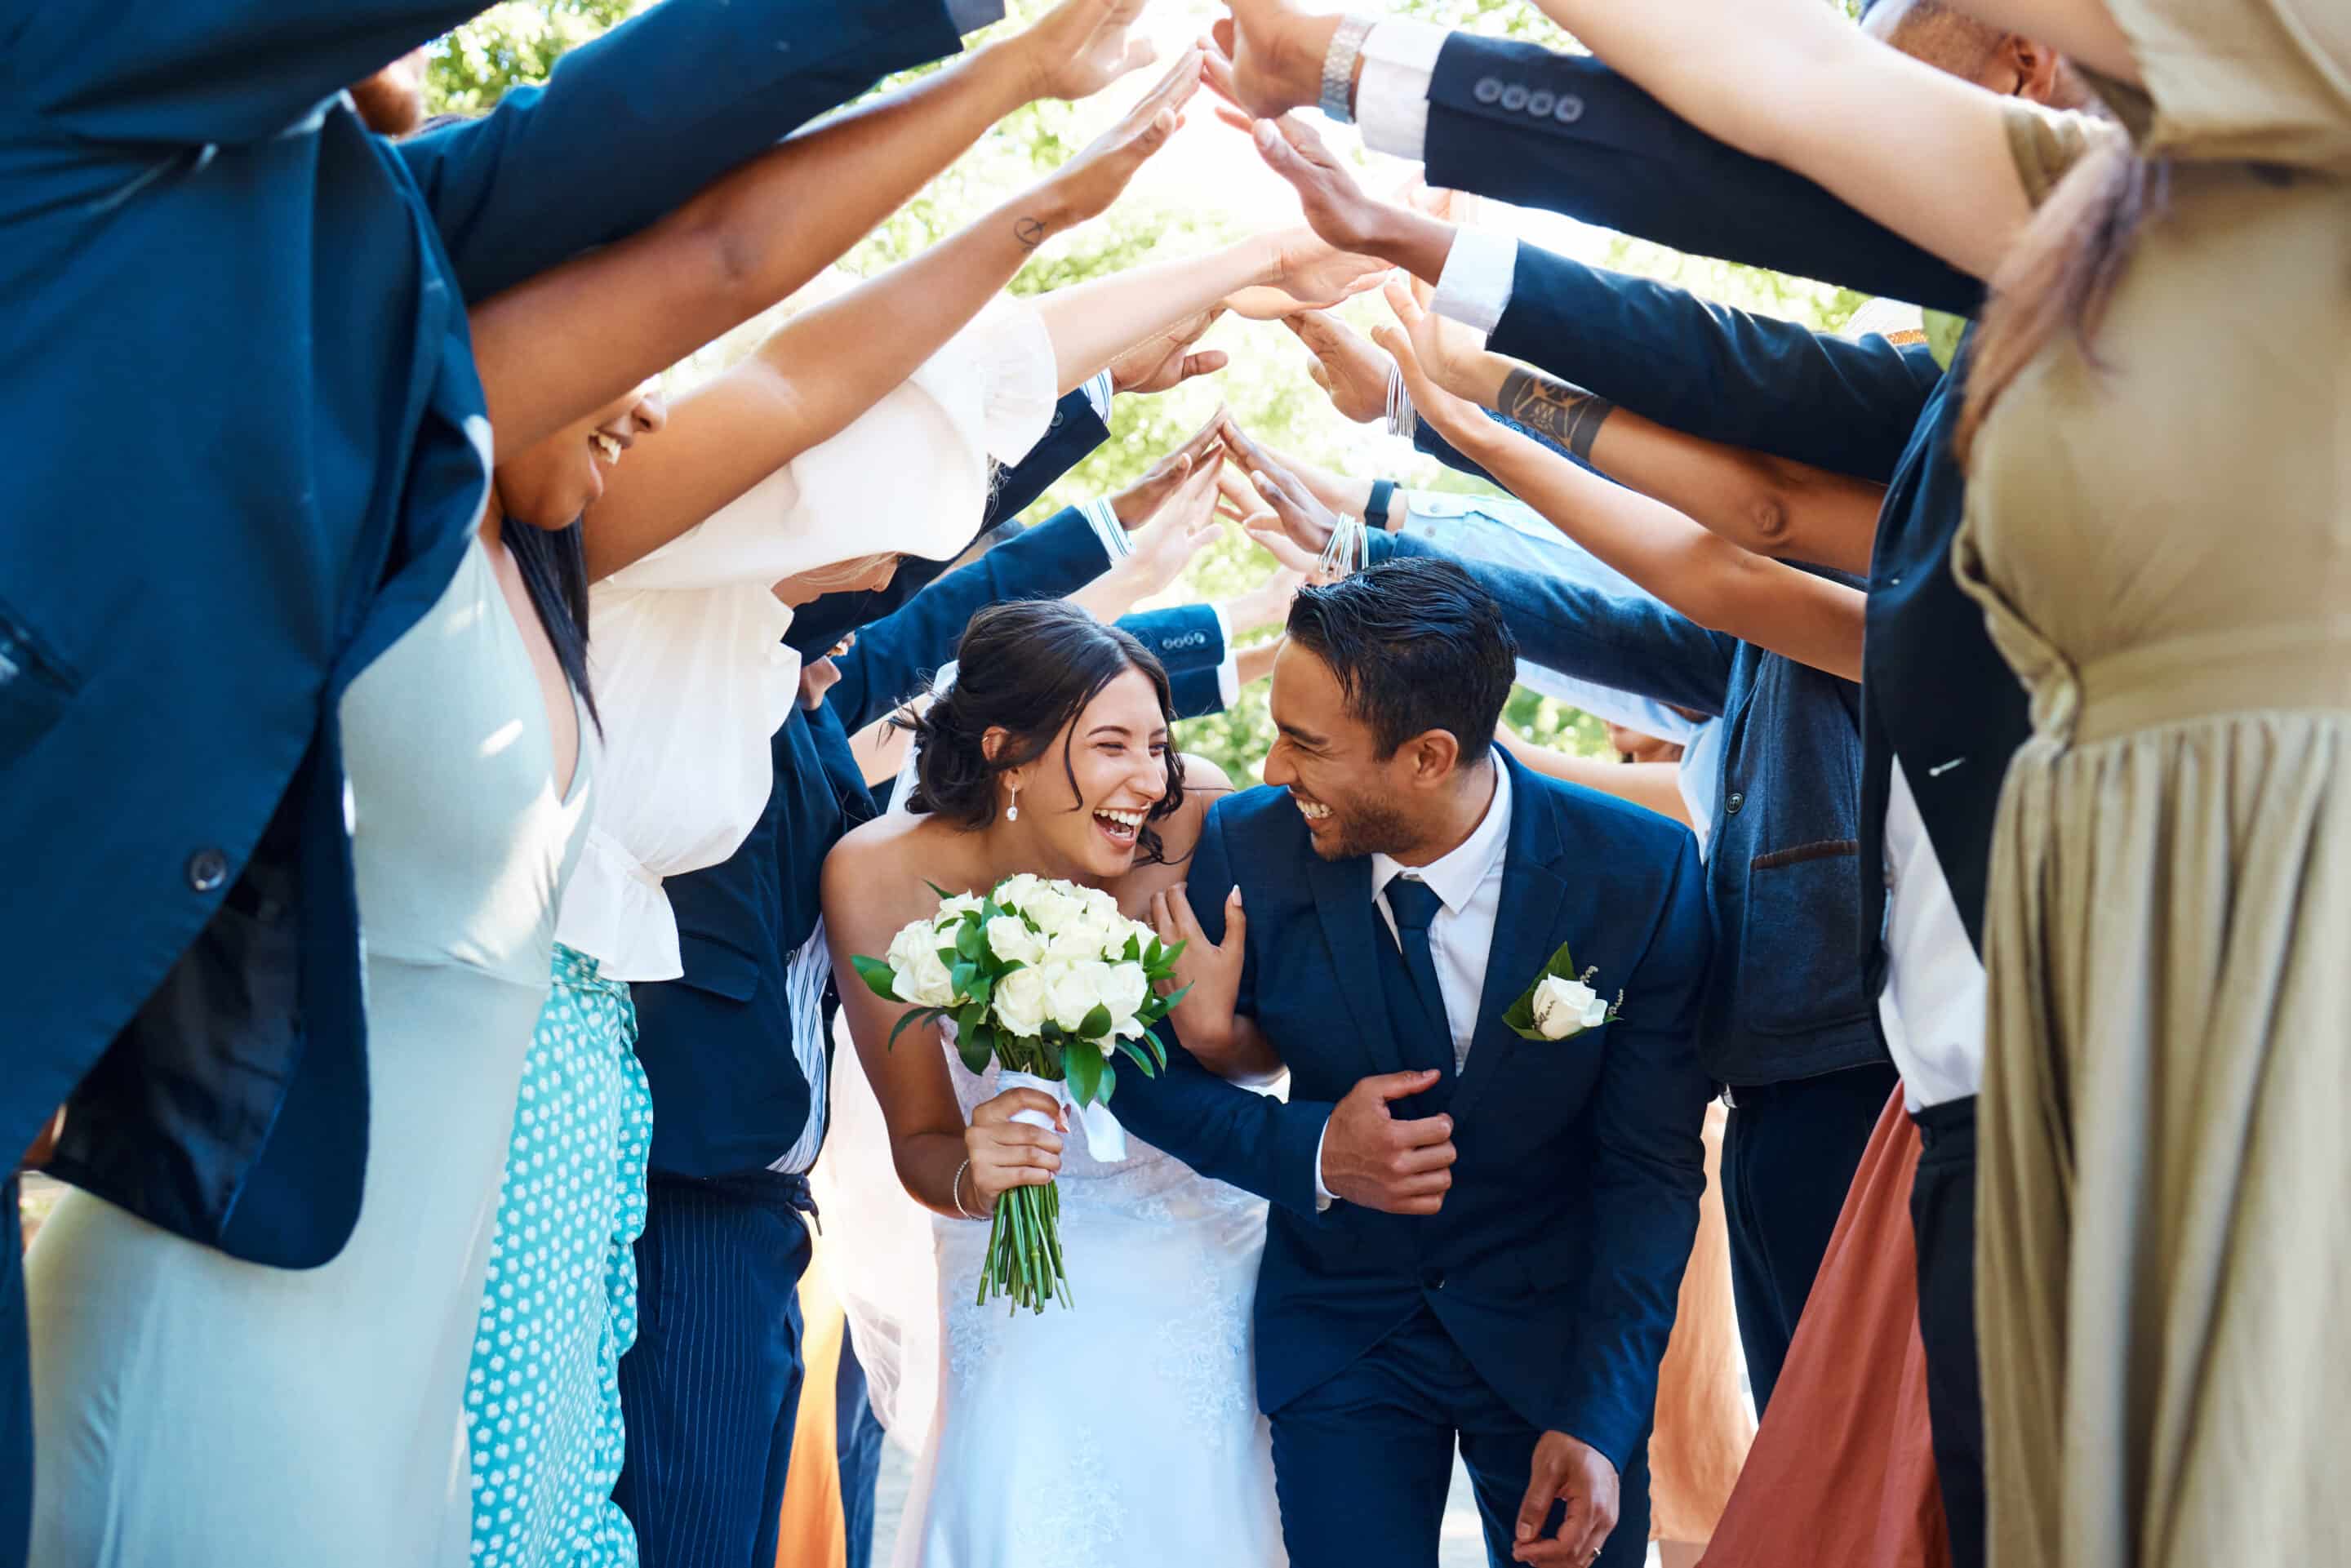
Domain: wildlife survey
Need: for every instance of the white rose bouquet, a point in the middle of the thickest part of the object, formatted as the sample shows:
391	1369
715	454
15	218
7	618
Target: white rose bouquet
1051	981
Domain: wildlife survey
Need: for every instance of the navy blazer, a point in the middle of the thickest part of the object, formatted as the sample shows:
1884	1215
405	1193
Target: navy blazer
1867	408
1786	1000
1522	124
290	521
716	1044
1555	1262
1074	434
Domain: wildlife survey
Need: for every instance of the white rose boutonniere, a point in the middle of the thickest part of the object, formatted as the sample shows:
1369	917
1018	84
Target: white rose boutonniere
1561	1004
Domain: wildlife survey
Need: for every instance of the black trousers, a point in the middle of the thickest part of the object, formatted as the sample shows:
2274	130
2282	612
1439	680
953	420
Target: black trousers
1943	1224
712	1388
1788	1159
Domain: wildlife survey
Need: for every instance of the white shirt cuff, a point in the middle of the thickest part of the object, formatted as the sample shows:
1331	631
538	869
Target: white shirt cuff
1479	276
1098	392
1392	95
1102	518
1229	673
1323	1197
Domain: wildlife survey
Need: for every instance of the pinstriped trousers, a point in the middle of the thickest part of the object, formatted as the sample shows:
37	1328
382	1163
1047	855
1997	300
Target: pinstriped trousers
711	1391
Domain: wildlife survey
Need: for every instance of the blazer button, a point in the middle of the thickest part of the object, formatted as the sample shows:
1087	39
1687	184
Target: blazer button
1488	90
1514	96
1569	110
1541	101
1732	805
207	869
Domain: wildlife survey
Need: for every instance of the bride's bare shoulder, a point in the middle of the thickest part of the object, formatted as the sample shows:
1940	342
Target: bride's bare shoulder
875	861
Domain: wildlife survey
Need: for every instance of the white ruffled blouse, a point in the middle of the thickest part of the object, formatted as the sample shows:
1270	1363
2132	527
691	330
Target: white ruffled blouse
685	647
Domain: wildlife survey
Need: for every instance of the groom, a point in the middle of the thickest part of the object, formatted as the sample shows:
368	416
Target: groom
1475	1236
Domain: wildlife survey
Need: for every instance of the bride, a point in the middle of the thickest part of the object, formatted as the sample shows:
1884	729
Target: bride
1123	1432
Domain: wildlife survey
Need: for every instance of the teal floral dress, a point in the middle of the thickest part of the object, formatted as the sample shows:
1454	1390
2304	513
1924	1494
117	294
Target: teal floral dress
560	1303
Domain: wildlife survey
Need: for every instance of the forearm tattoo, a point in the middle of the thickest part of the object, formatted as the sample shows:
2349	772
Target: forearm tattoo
1029	232
1568	415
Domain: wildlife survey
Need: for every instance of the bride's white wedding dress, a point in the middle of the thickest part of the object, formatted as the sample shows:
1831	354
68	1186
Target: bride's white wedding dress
1122	1433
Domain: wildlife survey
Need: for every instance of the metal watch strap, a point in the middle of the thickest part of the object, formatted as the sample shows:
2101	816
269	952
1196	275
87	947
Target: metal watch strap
1339	67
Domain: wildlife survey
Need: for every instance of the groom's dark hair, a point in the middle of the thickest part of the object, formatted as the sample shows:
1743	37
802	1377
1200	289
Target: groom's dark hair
1417	645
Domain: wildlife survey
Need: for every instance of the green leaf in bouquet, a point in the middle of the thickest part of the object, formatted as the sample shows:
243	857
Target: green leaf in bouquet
1152	956
960	975
1167	956
972	1020
1133	954
1083	1067
1136	1054
1096	1023
935	887
972	941
1109	1081
1167	1003
912	1015
877	976
973	1046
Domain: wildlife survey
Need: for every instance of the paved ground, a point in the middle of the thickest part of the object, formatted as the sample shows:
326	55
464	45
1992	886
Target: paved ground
1463	1545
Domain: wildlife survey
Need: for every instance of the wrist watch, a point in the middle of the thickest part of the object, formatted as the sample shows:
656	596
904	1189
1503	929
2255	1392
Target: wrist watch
1339	67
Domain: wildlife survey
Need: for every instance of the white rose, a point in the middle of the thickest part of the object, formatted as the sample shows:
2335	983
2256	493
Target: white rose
955	908
1019	1003
1050	910
1010	893
1075	943
1010	939
1074	990
1124	988
1565	1007
916	973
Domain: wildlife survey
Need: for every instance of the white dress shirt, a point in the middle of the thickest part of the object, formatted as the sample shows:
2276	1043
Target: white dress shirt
685	647
1933	1005
1468	882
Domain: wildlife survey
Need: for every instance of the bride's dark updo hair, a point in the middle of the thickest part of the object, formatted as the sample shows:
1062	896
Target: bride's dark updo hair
1027	667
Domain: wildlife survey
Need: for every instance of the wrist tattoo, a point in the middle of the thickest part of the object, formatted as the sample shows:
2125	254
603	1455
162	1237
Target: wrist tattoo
1029	232
1568	415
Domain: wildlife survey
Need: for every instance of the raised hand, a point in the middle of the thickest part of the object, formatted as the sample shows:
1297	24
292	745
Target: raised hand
1135	504
1308	273
1336	208
1176	532
1306	520
1005	1154
1424	341
1372	1158
1088	183
1162	360
1345	364
1269	56
1572	1472
1080	46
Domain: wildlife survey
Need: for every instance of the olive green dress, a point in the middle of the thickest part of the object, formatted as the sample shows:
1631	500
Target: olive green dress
2163	550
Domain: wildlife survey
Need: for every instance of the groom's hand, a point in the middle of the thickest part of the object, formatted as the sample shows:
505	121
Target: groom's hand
1574	1473
1370	1158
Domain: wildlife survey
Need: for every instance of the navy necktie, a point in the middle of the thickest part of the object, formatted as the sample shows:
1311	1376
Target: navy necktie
1417	1008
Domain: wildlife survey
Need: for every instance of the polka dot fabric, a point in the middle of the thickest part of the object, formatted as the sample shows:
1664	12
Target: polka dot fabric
559	1305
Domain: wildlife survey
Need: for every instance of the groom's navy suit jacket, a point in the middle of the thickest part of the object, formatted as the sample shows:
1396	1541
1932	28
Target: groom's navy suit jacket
1555	1261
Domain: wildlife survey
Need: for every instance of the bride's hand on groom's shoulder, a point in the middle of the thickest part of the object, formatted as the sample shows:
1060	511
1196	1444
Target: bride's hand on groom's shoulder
1207	1019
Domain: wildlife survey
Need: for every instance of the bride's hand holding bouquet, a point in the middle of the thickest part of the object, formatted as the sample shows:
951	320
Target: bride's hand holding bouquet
1052	983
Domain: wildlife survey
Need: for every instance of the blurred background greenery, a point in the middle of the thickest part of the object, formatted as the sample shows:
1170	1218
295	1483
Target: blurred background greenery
1204	191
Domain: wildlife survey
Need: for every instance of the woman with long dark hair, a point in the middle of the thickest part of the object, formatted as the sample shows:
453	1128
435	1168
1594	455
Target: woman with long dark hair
1048	753
2158	519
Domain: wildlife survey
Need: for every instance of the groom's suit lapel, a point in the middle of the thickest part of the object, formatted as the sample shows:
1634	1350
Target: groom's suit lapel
1342	897
1525	928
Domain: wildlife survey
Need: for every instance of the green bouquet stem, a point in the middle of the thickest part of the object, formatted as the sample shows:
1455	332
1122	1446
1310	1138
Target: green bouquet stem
1024	1251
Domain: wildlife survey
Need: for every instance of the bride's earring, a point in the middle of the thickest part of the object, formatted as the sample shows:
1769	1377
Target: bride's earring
1012	811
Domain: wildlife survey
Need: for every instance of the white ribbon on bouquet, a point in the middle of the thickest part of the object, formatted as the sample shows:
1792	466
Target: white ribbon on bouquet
1105	1139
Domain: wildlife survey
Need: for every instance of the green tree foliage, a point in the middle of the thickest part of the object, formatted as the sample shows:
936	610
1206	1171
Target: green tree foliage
1266	386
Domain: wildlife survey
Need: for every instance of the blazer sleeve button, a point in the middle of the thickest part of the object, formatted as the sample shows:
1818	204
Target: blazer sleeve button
208	870
1514	96
1541	101
1569	110
1488	90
